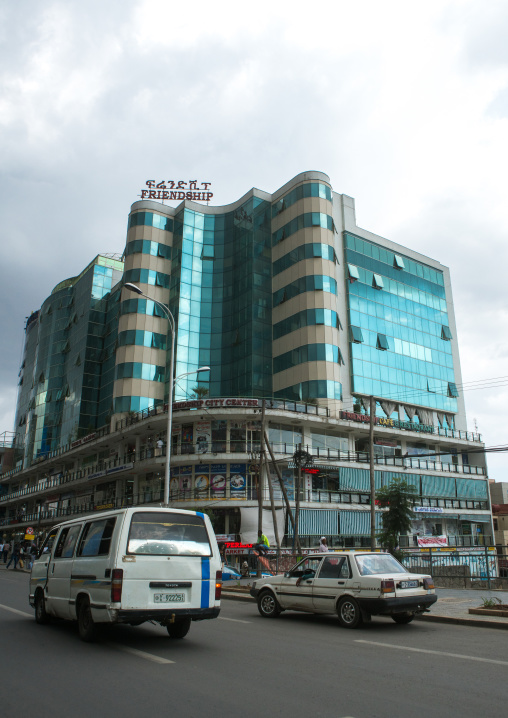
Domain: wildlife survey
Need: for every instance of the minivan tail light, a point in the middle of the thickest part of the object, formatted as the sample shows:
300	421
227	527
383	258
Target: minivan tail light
218	585
428	583
116	585
388	586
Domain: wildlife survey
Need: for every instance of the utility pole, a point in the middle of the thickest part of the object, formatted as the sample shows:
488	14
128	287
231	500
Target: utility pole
372	411
260	481
281	482
260	474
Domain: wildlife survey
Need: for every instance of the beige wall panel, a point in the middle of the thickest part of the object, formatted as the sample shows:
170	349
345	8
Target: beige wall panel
147	261
323	335
133	353
140	387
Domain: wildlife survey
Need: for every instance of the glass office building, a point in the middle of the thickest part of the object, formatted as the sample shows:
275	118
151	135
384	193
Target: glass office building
301	316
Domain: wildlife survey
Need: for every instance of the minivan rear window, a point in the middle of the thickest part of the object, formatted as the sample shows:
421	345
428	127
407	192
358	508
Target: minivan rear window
164	534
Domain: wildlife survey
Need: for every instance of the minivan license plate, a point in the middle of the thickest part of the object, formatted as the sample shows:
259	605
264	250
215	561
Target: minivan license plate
169	597
409	584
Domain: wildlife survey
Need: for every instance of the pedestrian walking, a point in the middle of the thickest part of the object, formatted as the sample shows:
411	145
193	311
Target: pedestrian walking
5	550
14	557
33	554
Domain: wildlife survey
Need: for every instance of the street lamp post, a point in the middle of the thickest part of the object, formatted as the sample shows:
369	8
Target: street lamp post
133	288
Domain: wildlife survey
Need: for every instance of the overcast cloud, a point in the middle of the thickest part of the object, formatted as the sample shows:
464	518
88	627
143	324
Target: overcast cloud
403	104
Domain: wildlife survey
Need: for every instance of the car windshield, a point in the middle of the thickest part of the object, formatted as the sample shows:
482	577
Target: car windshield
378	563
165	534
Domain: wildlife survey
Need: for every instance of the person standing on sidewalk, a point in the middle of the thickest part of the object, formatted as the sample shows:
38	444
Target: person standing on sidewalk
5	551
14	557
323	544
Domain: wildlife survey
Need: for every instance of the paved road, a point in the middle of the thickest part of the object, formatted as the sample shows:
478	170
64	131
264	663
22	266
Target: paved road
297	665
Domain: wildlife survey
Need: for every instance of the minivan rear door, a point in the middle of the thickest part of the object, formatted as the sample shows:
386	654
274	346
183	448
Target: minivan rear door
169	562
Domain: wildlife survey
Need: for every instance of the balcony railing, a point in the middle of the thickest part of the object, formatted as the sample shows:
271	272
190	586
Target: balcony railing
240	449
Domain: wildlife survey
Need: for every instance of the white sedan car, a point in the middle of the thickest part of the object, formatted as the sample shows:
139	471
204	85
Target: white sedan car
354	584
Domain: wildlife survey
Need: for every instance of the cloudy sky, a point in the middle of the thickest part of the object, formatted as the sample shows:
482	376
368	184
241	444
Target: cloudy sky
403	104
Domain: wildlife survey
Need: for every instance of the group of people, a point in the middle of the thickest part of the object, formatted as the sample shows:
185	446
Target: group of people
20	553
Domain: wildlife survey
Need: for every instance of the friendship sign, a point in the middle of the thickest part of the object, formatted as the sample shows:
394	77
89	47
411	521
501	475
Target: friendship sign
177	189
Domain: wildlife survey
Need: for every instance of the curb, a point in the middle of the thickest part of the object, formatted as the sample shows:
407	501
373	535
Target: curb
462	621
234	596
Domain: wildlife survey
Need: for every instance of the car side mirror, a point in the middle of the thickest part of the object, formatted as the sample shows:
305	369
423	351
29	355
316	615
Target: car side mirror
287	574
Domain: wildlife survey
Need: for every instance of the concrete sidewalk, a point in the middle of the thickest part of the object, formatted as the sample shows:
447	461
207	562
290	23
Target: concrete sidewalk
452	605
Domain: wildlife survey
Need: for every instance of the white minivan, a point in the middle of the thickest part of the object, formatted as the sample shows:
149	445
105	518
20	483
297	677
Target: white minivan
129	566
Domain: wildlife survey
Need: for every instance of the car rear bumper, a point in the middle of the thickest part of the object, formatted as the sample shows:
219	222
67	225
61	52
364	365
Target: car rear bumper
402	604
164	615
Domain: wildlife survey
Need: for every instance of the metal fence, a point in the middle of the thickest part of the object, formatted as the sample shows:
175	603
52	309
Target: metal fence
483	567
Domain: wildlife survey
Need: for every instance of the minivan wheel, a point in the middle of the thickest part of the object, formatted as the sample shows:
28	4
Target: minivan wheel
180	628
268	606
86	626
403	618
41	617
349	613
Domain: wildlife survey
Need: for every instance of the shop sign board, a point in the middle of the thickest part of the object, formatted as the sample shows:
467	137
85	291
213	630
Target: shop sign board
382	421
177	190
433	541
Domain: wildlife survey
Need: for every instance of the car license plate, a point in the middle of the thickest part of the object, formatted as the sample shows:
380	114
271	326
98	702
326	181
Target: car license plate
409	584
169	597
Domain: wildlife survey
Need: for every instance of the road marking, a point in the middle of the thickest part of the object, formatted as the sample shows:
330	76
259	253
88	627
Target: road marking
436	653
15	610
141	654
236	620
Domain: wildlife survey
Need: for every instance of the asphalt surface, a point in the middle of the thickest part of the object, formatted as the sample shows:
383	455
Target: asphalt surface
241	664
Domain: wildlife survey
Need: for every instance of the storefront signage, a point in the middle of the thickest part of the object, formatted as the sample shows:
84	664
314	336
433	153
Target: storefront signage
177	189
228	403
382	421
113	470
427	510
83	440
434	541
224	537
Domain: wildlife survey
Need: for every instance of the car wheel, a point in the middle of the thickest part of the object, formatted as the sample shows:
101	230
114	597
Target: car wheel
41	617
86	626
179	629
349	613
403	617
268	606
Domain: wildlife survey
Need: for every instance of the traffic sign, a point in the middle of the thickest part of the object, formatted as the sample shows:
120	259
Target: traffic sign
29	530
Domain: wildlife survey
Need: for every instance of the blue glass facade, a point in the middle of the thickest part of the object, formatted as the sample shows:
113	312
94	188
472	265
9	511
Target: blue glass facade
69	364
397	314
221	298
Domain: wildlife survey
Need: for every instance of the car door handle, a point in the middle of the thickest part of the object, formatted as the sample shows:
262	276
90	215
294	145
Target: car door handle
341	583
308	581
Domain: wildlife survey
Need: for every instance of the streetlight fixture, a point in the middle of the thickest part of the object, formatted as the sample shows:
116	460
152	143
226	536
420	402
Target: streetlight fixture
134	288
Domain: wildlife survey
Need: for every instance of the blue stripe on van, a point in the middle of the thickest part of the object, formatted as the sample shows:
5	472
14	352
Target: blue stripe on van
205	582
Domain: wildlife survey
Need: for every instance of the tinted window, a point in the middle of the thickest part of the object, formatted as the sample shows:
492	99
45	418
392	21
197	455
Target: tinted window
96	538
49	541
334	567
378	563
67	541
164	534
